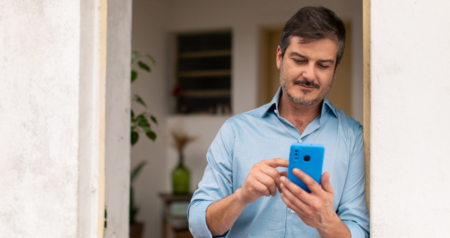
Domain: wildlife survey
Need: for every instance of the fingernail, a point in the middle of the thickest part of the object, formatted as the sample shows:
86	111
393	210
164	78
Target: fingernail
282	178
281	185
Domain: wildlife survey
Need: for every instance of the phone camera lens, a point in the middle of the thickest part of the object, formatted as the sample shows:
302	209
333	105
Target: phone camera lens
307	158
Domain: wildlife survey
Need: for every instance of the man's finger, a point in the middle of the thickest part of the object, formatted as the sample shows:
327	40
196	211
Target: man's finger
325	181
294	189
272	172
261	188
310	182
277	162
293	200
267	181
284	173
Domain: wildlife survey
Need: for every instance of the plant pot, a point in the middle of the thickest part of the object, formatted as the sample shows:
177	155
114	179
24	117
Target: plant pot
137	230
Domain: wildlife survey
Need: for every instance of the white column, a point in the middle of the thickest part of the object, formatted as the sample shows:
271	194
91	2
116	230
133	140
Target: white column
118	117
410	118
51	115
39	118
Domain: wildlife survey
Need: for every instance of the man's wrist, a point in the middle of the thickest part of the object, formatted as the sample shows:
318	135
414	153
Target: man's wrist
330	228
239	198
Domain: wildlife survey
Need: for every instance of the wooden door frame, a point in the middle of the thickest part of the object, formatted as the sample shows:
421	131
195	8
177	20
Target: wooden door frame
366	93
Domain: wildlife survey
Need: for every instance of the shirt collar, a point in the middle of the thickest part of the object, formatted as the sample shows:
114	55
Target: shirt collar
274	105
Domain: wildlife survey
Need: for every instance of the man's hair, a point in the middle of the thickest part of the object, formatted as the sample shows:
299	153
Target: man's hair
314	23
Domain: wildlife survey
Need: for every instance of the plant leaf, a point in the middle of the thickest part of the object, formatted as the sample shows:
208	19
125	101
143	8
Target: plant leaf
151	58
153	119
143	123
151	135
144	66
134	75
134	55
139	100
135	172
134	137
132	115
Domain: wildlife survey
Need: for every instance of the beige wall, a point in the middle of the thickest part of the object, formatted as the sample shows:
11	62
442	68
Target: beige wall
155	21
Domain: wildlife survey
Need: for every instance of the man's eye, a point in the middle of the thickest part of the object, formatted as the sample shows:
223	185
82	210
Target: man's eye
323	66
300	61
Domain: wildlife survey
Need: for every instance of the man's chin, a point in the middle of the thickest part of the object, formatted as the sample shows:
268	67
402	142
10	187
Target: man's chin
305	101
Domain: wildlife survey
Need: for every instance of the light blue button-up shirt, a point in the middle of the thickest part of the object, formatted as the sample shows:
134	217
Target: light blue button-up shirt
263	134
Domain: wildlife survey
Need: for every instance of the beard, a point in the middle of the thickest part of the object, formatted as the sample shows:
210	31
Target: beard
302	100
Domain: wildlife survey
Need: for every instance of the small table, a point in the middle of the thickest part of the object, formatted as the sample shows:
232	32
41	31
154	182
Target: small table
168	199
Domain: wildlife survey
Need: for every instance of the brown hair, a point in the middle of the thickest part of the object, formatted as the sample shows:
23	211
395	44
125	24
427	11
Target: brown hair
314	23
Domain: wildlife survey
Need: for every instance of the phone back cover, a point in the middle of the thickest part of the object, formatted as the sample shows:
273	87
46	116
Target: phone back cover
313	167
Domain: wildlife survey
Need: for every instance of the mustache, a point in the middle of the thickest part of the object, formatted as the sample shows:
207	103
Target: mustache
306	83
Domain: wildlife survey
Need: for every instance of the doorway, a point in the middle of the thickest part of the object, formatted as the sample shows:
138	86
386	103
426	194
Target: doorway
341	91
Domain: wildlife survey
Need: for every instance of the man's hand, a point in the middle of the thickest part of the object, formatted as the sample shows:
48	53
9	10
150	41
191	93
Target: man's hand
315	208
262	180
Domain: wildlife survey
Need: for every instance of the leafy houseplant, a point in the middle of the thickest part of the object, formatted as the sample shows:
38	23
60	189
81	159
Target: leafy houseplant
181	175
139	124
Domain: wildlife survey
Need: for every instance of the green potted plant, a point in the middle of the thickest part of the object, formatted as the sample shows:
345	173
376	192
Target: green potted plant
140	124
181	174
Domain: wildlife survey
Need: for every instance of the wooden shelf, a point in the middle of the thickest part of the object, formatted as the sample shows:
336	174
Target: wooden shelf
205	93
204	73
214	53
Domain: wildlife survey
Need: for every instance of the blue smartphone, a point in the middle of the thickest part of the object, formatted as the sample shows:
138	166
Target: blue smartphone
309	159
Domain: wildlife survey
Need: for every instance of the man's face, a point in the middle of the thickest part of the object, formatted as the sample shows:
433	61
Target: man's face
307	70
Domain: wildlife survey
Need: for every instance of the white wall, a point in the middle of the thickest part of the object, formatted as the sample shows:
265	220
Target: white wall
410	85
39	108
50	118
149	37
155	22
117	147
89	119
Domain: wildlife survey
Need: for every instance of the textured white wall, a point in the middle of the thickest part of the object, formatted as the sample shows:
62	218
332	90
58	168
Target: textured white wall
49	118
410	85
39	106
89	119
154	22
117	145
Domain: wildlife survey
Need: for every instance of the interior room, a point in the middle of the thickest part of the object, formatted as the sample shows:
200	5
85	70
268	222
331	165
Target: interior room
210	60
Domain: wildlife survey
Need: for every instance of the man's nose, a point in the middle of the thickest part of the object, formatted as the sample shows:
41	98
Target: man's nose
309	72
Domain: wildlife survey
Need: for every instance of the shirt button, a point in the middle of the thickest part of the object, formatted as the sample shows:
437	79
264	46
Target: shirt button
299	140
275	111
292	211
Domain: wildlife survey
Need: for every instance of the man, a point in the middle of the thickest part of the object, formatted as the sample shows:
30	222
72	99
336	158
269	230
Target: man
238	197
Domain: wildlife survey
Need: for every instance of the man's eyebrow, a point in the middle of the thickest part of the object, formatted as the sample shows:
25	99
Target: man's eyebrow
302	56
297	54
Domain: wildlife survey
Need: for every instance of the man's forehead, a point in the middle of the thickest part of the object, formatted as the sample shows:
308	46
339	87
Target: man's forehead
323	48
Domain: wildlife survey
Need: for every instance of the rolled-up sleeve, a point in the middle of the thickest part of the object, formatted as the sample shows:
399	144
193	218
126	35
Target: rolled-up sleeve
216	183
353	209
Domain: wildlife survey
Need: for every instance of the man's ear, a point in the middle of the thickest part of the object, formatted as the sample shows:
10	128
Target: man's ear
279	57
337	66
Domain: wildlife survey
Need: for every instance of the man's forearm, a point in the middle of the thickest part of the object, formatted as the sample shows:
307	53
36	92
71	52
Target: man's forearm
337	230
221	215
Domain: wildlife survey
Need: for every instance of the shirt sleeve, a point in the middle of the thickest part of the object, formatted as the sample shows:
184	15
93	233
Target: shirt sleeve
216	183
353	208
